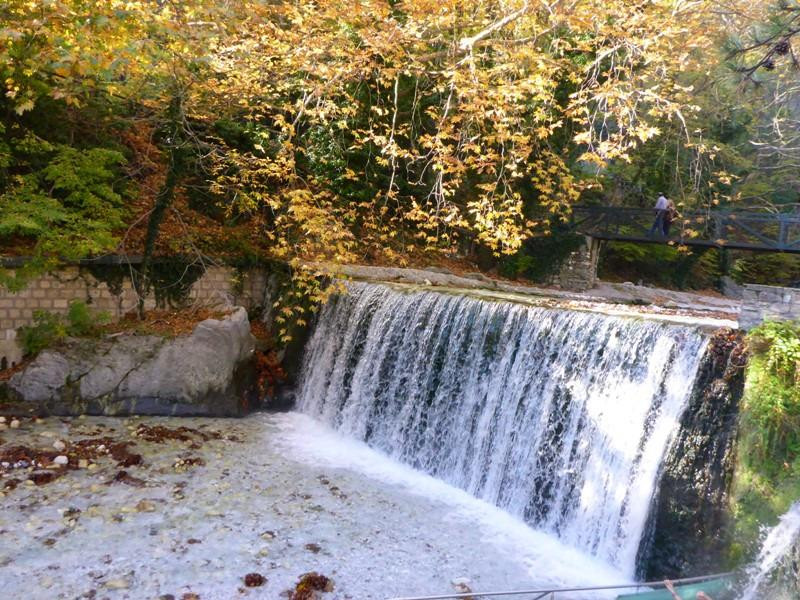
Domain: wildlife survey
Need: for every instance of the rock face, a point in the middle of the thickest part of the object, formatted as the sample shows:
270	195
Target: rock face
689	533
207	373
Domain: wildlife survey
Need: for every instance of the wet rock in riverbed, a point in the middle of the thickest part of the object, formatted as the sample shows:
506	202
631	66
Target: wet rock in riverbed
160	433
461	585
124	477
185	462
44	477
147	506
118	584
315	548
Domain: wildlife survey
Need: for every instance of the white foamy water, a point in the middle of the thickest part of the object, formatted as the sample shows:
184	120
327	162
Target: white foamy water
283	496
561	418
778	543
546	561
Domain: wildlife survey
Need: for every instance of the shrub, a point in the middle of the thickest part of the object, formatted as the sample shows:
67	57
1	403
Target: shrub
779	342
49	329
81	322
767	477
773	398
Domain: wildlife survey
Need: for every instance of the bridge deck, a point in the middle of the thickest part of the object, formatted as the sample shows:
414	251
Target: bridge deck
764	232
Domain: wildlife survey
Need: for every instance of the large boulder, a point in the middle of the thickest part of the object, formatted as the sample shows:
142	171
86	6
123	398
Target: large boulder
206	373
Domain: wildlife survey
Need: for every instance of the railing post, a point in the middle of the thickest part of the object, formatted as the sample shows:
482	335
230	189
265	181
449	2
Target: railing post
719	226
783	232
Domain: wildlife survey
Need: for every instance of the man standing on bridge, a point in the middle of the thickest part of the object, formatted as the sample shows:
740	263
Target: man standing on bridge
662	206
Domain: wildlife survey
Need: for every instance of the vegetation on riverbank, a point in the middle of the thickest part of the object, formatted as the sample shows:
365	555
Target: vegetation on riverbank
767	478
379	131
49	329
696	268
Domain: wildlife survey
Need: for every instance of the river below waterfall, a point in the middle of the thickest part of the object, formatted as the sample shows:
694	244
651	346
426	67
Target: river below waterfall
438	437
277	494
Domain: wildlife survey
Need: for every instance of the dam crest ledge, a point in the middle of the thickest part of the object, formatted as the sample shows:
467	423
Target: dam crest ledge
613	299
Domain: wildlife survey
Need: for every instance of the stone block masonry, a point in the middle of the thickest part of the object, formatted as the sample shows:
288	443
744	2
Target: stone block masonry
765	302
578	272
218	286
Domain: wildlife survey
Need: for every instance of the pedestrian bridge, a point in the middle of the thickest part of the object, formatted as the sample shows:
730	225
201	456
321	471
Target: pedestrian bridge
737	230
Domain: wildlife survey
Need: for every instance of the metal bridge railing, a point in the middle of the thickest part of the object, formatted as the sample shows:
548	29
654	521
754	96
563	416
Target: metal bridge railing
553	593
747	230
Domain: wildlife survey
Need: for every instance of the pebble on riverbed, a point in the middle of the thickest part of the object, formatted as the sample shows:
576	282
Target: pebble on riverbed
315	548
179	531
84	453
117	584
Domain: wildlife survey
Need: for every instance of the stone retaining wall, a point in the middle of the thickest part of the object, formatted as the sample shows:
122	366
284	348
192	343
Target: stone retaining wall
578	272
218	286
762	302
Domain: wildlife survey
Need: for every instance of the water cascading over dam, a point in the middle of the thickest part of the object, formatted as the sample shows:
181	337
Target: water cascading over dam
559	417
776	572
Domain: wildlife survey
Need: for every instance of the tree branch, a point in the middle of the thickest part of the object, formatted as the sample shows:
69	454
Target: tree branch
466	44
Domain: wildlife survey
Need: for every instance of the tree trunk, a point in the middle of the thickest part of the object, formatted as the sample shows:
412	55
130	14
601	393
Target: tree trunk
164	199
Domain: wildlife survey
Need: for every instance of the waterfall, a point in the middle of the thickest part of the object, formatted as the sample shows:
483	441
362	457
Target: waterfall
559	417
775	573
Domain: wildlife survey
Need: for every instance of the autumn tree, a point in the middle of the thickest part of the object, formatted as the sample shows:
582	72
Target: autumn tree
762	52
125	64
453	117
373	129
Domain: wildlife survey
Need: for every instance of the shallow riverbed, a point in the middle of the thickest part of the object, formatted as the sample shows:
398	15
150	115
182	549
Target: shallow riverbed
278	495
